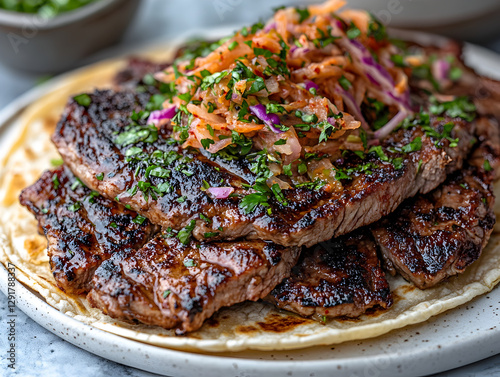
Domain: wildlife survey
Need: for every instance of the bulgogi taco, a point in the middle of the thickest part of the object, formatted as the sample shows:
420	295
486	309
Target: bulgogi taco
255	325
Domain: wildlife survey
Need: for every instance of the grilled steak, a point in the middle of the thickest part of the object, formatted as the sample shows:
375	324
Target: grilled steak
486	157
86	136
484	91
434	236
85	229
132	75
82	228
175	286
439	234
340	277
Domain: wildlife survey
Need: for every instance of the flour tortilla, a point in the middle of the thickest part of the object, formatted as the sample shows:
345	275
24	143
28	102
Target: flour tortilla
244	326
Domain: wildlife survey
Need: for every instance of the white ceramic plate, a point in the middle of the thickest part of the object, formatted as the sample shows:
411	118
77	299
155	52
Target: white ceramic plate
458	337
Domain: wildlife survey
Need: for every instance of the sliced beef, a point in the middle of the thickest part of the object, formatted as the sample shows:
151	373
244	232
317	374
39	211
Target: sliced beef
340	277
82	228
173	285
133	73
438	235
85	138
434	236
486	157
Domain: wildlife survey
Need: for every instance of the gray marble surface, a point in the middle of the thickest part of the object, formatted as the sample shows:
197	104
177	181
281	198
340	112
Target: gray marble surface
39	352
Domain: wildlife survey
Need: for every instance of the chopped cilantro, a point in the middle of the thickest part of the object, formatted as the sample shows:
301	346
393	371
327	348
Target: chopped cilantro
461	107
83	100
204	218
376	29
487	166
99	176
414	145
302	167
75	206
287	170
206	143
139	219
326	130
211	80
303	14
420	162
55	181
135	133
76	183
251	201
232	45
344	82
190	262
353	31
56	162
166	293
275	188
312	185
184	234
455	74
379	152
398	60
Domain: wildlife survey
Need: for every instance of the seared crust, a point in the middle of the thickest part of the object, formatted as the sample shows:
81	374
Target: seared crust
434	236
84	137
175	286
82	229
438	235
340	277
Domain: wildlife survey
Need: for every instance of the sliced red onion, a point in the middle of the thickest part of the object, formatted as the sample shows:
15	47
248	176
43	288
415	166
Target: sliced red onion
158	115
332	121
220	192
375	72
441	69
299	50
391	125
270	27
269	119
311	84
352	106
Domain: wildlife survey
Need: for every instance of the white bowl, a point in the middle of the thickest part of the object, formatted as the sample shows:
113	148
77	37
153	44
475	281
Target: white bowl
462	19
426	13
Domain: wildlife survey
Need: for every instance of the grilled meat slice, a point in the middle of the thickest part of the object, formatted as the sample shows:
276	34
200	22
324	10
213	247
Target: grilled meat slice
173	285
438	235
133	74
434	236
86	138
340	277
82	228
484	91
486	157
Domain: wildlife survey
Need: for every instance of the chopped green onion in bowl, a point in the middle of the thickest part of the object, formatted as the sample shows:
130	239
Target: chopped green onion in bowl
44	8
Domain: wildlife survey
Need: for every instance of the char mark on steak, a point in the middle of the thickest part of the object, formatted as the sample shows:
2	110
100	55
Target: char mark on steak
434	236
82	228
172	285
86	138
437	235
339	277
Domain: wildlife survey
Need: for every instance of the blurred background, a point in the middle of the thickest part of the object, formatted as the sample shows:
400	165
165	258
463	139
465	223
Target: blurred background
34	48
